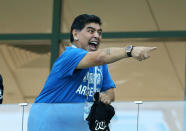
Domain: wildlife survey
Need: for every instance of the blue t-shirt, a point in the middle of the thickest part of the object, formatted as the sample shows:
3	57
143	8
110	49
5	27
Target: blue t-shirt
65	83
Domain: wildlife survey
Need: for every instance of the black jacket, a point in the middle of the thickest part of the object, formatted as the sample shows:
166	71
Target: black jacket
100	115
1	89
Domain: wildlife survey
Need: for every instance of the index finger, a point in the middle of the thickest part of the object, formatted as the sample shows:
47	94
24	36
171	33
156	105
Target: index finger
152	48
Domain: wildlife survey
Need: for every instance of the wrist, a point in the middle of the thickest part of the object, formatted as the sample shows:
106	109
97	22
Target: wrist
128	50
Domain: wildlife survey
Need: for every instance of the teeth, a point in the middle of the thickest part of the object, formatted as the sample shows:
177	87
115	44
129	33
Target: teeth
94	42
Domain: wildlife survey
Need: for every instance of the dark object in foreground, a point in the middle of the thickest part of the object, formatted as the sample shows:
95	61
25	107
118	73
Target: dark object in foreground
1	89
100	115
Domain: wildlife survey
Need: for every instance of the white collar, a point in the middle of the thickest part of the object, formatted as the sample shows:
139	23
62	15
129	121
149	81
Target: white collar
74	46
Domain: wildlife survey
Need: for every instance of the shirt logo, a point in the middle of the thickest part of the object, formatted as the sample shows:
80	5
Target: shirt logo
91	81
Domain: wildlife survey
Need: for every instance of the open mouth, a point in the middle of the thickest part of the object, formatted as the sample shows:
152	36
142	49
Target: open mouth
93	45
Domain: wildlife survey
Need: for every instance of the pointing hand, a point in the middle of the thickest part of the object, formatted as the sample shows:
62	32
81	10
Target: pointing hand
142	53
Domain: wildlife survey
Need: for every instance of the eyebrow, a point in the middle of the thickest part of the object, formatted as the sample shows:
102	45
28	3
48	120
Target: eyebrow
90	27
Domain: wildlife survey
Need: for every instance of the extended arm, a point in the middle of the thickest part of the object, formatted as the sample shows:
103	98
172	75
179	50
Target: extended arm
110	55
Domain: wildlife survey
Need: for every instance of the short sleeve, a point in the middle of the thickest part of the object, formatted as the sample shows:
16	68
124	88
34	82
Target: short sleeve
107	79
68	61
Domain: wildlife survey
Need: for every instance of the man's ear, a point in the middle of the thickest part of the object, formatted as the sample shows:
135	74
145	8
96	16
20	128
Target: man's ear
75	34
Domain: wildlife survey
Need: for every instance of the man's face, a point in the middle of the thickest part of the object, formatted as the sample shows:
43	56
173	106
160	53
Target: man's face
89	37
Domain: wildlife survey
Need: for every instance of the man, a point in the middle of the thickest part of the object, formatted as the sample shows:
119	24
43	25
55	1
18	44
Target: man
1	89
82	69
76	76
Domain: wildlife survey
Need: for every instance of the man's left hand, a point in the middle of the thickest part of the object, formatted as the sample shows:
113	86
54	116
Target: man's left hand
104	98
142	53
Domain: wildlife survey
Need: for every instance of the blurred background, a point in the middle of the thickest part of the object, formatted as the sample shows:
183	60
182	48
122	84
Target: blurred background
33	33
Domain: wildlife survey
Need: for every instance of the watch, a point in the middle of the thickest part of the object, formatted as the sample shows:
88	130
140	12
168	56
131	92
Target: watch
128	50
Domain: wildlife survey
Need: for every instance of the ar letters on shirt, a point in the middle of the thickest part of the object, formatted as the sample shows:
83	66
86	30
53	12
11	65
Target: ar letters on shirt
89	81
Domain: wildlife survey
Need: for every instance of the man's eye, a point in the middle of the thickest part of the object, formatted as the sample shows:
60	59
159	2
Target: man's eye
100	33
91	31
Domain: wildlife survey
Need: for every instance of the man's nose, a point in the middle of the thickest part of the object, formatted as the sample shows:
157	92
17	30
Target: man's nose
96	34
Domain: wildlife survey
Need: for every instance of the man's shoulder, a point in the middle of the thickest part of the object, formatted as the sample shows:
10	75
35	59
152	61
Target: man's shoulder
73	51
70	54
73	48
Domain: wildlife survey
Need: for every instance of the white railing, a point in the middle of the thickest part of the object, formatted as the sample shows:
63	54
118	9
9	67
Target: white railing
130	116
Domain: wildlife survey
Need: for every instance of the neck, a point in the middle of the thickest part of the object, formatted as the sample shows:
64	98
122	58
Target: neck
75	44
